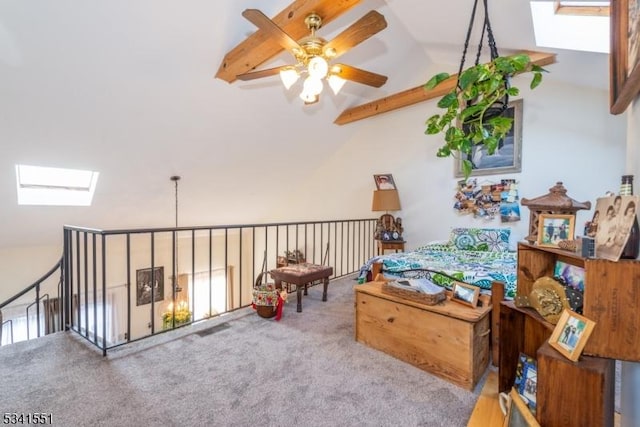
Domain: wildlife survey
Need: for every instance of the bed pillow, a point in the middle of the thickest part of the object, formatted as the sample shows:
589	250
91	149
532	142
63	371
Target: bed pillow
480	239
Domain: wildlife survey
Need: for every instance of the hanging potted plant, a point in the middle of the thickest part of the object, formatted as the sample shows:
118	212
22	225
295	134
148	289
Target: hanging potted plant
475	106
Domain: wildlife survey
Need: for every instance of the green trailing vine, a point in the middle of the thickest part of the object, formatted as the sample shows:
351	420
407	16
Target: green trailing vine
470	118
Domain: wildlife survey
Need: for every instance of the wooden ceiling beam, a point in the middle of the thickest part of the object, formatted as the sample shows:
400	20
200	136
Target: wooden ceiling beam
259	47
419	94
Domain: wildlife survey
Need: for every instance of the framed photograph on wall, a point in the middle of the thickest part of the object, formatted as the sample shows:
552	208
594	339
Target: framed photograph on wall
465	294
552	228
146	280
384	181
571	334
507	158
625	45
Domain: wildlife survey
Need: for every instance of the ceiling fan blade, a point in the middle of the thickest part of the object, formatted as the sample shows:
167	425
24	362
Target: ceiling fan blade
356	33
263	22
358	75
260	73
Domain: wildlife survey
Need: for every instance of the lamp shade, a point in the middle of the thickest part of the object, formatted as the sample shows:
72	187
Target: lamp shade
385	200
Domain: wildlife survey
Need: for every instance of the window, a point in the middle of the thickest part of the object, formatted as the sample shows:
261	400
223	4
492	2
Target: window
55	186
572	25
582	8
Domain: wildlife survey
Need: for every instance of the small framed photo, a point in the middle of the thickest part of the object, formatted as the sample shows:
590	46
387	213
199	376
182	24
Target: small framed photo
516	412
552	228
571	334
384	181
465	294
569	275
526	382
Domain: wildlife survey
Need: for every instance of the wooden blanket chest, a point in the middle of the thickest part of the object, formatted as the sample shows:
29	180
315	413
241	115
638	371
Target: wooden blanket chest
448	340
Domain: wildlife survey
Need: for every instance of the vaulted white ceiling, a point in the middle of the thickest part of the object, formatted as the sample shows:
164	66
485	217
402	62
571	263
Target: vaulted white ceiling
127	88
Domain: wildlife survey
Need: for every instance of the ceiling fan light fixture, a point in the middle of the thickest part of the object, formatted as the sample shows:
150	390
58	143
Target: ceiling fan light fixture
318	67
312	86
289	76
335	83
308	98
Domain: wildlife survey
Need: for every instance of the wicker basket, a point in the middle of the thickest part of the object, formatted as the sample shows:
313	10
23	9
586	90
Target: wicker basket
265	297
423	298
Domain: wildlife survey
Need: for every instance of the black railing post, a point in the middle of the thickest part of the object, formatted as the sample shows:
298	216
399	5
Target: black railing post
66	257
128	337
104	294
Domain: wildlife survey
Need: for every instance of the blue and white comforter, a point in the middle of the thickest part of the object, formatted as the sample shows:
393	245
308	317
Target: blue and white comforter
442	264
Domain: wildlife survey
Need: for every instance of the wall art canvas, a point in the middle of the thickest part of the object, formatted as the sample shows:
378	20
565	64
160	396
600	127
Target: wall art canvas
146	280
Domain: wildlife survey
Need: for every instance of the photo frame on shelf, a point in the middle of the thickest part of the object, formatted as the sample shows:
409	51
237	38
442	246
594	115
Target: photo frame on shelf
624	58
571	334
613	219
384	181
553	228
569	275
526	382
507	158
465	294
146	279
516	412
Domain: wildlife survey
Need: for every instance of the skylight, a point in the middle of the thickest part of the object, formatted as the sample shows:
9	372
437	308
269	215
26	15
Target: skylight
55	186
572	25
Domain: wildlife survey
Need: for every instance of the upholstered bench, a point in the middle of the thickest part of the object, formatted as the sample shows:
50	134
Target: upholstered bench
302	275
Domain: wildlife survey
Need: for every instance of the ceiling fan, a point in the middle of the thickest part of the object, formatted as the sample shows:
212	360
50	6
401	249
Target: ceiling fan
313	54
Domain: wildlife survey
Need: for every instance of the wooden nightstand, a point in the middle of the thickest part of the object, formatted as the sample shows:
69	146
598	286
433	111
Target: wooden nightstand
397	245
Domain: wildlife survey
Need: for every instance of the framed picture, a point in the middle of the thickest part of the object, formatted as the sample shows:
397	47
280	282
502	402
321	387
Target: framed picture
465	294
526	382
571	334
625	45
146	279
508	156
612	222
384	181
570	275
552	228
516	412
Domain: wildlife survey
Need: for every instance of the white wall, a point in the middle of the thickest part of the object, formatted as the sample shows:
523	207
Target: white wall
22	266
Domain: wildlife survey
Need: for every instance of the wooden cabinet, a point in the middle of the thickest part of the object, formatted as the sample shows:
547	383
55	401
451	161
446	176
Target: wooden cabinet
448	340
573	393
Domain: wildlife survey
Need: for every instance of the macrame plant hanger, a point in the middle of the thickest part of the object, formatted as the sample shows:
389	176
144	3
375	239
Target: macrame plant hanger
500	105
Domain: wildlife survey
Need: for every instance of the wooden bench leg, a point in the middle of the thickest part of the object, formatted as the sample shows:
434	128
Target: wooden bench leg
326	286
299	293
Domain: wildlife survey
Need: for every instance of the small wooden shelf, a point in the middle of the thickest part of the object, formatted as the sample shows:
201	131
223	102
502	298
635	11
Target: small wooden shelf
383	245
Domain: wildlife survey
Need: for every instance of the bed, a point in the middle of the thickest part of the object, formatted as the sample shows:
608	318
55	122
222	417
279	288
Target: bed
477	256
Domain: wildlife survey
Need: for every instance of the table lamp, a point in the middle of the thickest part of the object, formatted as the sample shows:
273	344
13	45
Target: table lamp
388	227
